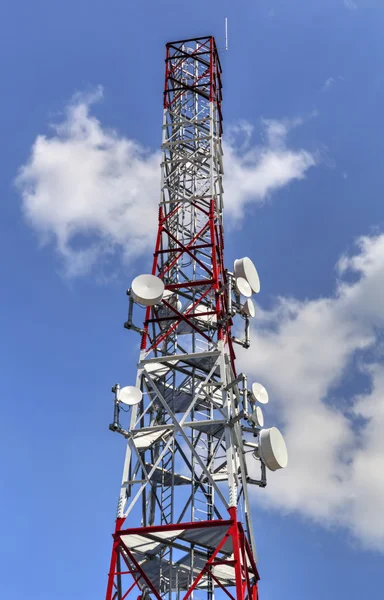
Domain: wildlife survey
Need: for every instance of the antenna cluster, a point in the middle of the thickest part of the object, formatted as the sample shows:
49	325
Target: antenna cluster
150	291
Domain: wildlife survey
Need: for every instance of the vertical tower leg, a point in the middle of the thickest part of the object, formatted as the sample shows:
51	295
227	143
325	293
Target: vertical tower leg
114	591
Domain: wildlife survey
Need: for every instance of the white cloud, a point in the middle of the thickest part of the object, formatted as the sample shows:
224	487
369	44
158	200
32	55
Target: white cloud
350	4
88	185
302	351
252	174
330	82
93	192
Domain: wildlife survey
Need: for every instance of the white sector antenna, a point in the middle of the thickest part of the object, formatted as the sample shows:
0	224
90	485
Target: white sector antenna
243	287
130	395
147	290
272	449
244	267
248	308
260	393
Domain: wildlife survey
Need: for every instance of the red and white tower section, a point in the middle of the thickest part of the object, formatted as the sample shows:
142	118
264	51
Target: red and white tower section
193	426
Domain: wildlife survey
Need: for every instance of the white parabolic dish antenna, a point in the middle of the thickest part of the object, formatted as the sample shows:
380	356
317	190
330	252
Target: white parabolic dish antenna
260	393
245	268
130	395
147	290
272	449
243	287
248	308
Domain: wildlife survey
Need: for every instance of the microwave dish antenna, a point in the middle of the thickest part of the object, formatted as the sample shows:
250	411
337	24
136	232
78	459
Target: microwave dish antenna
260	393
147	290
248	308
244	267
130	395
243	288
257	417
272	449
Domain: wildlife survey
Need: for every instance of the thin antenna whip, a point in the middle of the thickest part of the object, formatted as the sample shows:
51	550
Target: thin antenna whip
226	33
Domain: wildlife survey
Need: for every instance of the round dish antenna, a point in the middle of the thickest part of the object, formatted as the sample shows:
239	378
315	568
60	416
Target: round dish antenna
248	308
257	417
244	267
130	395
272	449
243	287
147	290
260	393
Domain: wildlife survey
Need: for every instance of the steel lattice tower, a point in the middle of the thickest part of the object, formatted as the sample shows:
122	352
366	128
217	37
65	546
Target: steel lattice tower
184	524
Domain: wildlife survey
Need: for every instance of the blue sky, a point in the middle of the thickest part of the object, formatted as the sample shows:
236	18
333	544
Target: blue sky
303	97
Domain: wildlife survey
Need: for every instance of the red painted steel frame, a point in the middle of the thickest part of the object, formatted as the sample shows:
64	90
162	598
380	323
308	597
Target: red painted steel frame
246	573
215	281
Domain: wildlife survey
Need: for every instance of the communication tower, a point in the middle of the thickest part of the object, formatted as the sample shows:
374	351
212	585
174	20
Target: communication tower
193	425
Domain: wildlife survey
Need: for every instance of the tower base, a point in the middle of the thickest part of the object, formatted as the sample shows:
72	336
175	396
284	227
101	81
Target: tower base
182	557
